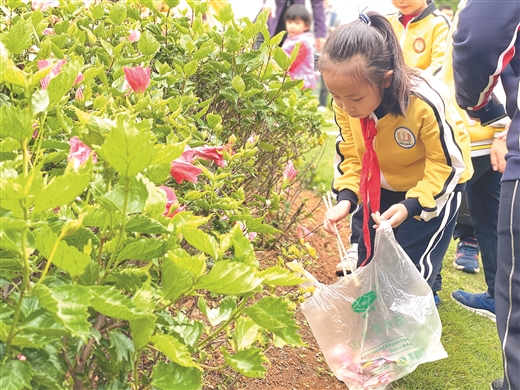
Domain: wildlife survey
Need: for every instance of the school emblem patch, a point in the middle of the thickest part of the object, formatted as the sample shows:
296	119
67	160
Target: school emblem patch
419	45
404	137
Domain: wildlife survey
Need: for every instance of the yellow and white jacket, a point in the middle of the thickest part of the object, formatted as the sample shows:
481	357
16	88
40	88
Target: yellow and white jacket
425	154
424	39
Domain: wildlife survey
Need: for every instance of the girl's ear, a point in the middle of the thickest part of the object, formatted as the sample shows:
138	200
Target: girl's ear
387	79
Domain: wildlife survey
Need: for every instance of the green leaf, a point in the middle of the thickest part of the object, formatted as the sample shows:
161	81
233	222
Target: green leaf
171	376
63	190
15	375
60	85
238	84
112	303
276	276
40	101
274	315
148	44
117	13
213	120
127	149
15	122
176	281
142	329
165	154
48	367
226	13
137	196
174	350
281	58
142	249
249	362
188	330
143	224
122	345
244	250
42	322
67	258
190	68
219	314
68	305
246	331
230	278
19	37
200	240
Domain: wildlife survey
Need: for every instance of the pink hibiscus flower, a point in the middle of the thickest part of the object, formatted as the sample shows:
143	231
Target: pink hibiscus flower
210	153
172	205
79	152
56	69
138	78
289	173
134	35
182	170
43	5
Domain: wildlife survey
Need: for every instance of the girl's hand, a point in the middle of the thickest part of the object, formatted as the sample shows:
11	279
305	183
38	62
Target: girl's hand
334	215
497	155
396	215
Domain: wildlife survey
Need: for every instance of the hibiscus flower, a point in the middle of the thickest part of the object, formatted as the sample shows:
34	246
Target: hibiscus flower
79	152
138	78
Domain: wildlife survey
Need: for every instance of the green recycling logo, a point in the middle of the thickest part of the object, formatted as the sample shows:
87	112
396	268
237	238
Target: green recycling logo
364	303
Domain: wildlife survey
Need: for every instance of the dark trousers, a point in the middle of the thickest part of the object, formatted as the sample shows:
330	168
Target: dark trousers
483	195
507	291
425	242
324	93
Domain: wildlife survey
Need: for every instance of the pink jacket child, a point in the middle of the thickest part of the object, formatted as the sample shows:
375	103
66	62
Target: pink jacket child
297	23
303	66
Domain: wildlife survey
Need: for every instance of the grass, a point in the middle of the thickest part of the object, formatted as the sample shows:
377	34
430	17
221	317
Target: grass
471	341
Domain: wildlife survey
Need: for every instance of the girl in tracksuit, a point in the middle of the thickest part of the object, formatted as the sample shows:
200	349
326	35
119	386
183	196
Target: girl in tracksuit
486	45
401	152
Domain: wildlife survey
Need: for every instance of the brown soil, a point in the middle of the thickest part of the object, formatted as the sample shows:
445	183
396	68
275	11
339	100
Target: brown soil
305	368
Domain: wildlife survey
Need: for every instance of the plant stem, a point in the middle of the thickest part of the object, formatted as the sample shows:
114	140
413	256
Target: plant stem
49	260
236	312
121	231
25	283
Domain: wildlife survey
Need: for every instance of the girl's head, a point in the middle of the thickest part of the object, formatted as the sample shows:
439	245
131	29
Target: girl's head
297	19
363	67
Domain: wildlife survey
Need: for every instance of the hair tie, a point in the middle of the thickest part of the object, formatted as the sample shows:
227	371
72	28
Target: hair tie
365	18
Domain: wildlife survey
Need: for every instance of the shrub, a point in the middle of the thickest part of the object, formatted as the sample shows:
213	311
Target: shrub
133	176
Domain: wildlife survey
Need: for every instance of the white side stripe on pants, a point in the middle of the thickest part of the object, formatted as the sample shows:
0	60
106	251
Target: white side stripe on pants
446	219
510	285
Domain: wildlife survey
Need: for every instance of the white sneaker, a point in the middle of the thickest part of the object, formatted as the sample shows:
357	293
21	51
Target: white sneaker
349	262
322	109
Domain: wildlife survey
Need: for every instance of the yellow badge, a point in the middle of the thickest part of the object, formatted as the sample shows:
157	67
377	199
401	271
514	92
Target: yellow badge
419	45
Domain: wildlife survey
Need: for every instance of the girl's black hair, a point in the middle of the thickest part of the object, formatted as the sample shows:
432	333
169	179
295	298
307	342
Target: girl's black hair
298	11
371	50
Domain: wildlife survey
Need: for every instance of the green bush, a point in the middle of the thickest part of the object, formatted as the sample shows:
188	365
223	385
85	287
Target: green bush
101	270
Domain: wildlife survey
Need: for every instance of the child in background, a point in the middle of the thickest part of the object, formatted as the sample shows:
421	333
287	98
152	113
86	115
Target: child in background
401	150
422	31
297	23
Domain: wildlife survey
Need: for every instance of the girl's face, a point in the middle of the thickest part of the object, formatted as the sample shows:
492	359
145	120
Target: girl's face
357	99
295	27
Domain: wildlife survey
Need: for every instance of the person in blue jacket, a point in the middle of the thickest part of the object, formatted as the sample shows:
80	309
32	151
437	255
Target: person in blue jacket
480	57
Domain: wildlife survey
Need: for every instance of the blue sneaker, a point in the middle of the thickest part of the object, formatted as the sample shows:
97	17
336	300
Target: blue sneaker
483	303
436	299
497	384
466	256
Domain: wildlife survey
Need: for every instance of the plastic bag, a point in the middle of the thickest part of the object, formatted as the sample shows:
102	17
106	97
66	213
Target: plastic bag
379	323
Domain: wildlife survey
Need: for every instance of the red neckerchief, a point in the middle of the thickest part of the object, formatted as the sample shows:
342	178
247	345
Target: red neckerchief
370	185
405	19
